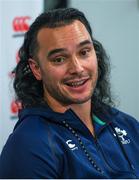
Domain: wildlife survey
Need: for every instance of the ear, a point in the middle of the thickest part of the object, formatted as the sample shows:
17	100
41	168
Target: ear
35	69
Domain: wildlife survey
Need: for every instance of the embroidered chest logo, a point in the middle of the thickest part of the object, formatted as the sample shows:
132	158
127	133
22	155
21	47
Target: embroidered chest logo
122	134
71	145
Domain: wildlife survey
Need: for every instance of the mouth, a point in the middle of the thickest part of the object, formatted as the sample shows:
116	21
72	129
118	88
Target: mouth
77	83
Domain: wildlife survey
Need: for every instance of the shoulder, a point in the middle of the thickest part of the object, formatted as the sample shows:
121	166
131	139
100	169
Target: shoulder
34	133
122	117
31	149
123	120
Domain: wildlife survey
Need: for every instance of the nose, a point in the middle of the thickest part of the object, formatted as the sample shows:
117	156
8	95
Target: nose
75	66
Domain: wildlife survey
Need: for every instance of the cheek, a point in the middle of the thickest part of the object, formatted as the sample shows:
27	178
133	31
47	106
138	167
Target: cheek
93	65
52	76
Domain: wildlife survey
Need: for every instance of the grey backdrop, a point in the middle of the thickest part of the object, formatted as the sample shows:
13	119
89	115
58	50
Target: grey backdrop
115	23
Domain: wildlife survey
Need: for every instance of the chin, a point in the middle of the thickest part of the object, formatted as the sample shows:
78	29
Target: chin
81	100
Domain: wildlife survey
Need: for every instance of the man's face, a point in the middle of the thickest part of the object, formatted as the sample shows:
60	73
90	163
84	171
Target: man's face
67	63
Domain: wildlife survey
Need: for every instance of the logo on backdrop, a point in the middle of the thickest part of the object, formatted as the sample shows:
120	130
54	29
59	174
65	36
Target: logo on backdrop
20	25
12	73
14	108
17	57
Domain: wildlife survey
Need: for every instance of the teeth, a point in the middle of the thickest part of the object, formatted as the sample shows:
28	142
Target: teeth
75	84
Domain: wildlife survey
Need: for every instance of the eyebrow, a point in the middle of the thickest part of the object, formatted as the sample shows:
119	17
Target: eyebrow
84	43
54	51
58	50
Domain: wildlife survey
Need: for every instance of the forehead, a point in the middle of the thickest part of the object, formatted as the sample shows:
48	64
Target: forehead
60	37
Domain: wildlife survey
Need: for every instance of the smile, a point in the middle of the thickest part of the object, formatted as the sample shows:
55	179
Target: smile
77	83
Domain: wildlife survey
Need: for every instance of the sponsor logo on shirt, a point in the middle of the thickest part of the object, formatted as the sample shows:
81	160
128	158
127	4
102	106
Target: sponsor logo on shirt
122	134
71	145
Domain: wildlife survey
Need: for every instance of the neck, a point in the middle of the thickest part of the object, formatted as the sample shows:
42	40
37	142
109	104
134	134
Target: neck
83	111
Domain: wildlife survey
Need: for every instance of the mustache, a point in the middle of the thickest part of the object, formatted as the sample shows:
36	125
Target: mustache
77	76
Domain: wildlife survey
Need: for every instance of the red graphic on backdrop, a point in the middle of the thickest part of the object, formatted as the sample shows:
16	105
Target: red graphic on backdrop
15	107
12	73
21	24
17	57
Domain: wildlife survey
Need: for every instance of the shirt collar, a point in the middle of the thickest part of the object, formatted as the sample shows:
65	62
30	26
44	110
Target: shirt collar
99	124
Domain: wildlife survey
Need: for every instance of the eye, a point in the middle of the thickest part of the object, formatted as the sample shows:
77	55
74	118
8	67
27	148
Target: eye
59	60
85	52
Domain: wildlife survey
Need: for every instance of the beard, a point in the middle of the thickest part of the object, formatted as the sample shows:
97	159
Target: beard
65	98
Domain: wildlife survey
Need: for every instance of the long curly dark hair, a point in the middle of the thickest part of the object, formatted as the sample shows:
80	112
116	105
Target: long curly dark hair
29	91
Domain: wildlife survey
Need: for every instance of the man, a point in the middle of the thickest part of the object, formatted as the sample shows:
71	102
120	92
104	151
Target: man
67	127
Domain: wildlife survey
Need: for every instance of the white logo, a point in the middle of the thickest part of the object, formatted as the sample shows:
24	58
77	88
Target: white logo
71	145
122	135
